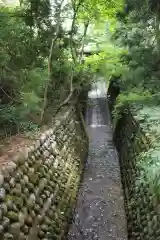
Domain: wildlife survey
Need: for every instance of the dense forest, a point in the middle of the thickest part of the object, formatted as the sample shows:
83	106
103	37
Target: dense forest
138	31
42	51
41	54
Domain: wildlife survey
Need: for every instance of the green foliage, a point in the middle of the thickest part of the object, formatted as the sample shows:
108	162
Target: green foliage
113	65
139	35
149	165
31	72
100	10
22	71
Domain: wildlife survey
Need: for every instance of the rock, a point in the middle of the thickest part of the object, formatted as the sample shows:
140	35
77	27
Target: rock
38	153
18	186
37	144
33	214
45	145
15	209
9	204
25	153
51	132
22	236
51	214
48	162
42	183
11	167
13	216
22	182
47	221
32	159
5	222
42	171
31	187
44	227
41	234
30	150
47	133
26	165
57	123
8	236
1	179
37	208
3	208
65	137
40	201
30	162
40	218
7	176
15	159
25	229
46	153
47	193
29	221
6	187
54	144
18	176
12	182
25	169
2	194
1	229
50	172
15	229
56	163
51	157
26	192
32	200
20	159
16	191
26	179
21	218
1	214
43	196
42	138
33	177
24	211
31	170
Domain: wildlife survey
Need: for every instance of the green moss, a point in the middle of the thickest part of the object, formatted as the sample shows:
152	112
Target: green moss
13	216
33	177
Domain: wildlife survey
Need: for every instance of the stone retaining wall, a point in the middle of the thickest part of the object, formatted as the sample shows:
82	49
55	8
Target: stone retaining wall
112	93
38	188
142	207
141	200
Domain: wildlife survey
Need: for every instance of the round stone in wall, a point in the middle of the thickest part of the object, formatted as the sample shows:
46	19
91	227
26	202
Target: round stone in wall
1	179
2	194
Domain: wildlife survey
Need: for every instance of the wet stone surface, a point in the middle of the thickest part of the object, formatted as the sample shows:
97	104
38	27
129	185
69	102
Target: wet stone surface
99	213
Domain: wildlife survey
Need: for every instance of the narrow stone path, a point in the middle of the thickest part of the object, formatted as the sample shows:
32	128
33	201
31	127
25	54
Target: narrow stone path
99	213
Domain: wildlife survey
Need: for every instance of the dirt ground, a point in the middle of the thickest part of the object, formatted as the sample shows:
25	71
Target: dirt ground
99	213
11	146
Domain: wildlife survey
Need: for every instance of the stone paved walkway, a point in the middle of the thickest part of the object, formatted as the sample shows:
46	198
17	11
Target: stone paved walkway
99	213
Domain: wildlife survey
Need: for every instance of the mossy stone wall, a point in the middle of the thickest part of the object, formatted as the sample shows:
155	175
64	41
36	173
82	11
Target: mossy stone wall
38	187
142	205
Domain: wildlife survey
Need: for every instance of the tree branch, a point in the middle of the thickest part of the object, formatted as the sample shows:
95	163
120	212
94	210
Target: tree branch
83	40
73	56
8	95
54	39
72	27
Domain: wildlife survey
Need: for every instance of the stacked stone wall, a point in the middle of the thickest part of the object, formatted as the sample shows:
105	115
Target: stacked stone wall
38	187
141	202
142	206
